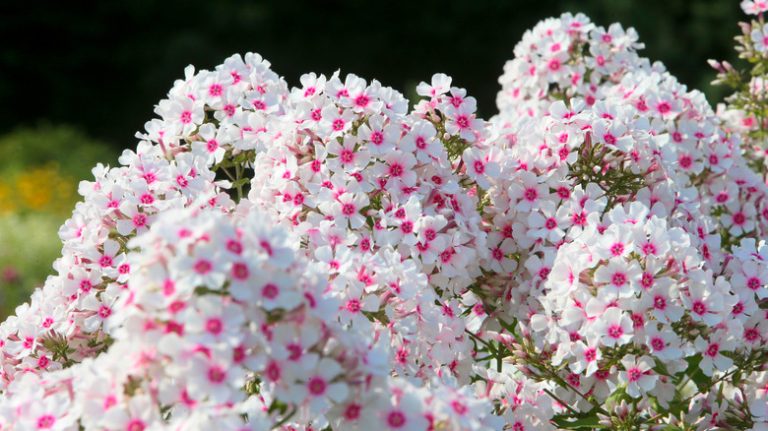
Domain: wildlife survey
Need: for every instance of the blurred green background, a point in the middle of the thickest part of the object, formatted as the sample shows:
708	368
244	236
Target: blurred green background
79	78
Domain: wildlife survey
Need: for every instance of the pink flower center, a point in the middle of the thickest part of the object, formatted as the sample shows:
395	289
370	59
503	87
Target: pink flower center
203	267
685	161
634	374
600	60
646	280
124	268
139	220
352	412
497	253
270	291
377	137
479	167
272	371
395	419
234	246
216	374
615	331
348	209
347	156
104	311
240	271
618	279
459	407
316	385
353	305
215	90
46	422
712	350
214	325
739	218
699	308
86	286
150	178
186	117
531	194
649	248
212	145
462	121
396	169
362	100
753	283
407	227
147	199
738	308
446	255
574	380
135	425
105	261
590	354
338	124
294	351
657	343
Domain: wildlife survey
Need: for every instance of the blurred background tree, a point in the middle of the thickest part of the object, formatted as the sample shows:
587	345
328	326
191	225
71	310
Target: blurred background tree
101	66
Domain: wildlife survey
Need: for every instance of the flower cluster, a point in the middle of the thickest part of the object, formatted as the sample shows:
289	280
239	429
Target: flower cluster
65	320
327	257
223	326
629	210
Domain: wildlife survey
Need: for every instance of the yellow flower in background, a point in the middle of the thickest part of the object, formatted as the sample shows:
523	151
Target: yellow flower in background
39	189
7	204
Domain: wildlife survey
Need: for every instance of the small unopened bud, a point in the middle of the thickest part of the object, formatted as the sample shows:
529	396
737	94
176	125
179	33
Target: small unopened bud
621	410
604	420
745	27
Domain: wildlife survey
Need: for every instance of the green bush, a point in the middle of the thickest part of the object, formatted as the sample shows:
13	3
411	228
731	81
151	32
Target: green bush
40	169
30	245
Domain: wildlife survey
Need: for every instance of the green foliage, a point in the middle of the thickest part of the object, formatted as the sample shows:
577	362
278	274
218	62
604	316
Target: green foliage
29	246
39	172
74	152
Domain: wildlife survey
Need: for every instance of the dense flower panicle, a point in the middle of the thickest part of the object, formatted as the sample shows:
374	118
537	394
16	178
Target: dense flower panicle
384	179
327	257
64	321
657	287
185	340
197	314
